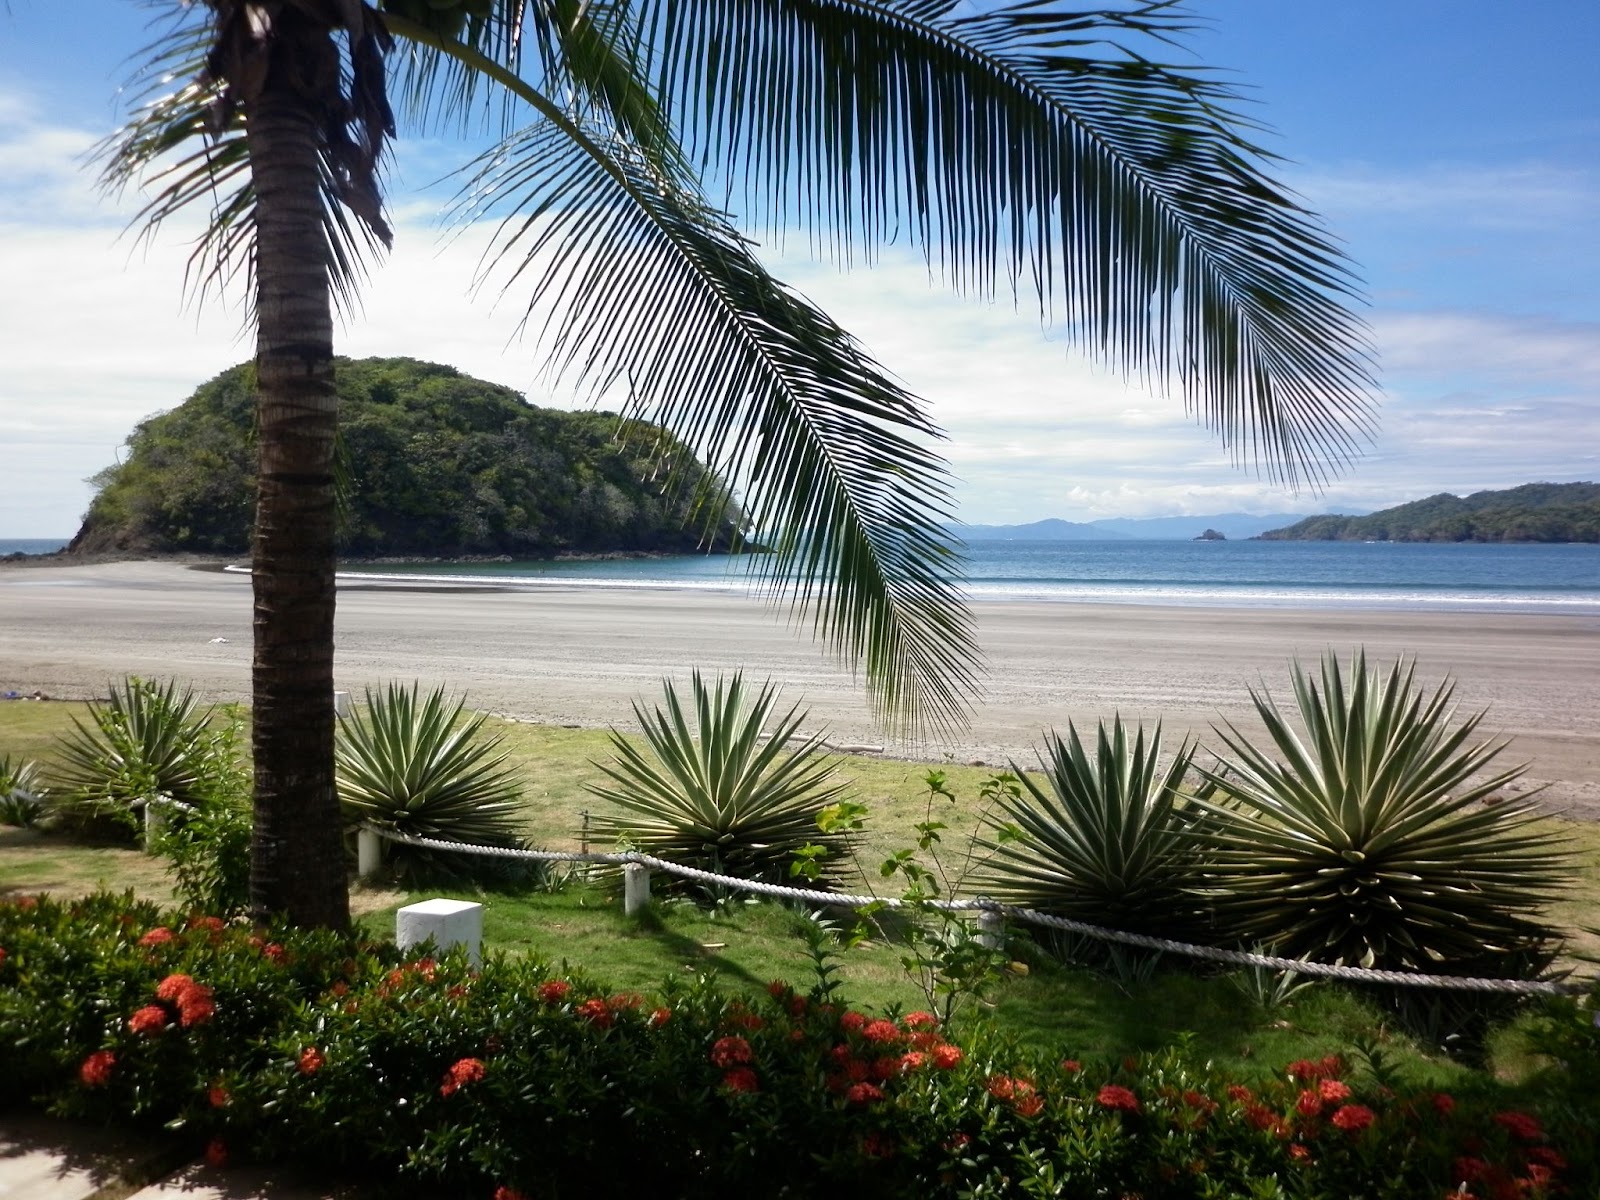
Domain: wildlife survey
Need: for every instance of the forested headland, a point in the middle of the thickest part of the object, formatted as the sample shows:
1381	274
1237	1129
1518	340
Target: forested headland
1534	512
432	462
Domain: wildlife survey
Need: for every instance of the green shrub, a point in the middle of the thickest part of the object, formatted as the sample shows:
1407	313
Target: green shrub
312	1046
418	768
717	794
1370	841
1110	843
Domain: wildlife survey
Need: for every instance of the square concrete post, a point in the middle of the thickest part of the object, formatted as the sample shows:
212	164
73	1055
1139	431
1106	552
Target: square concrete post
448	922
635	888
991	929
369	851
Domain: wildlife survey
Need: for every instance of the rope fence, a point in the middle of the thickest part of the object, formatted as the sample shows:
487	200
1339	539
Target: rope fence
991	914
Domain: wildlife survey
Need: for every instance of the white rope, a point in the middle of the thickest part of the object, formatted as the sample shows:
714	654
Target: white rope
1026	915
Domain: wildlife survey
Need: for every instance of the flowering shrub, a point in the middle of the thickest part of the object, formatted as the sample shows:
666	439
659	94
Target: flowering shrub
517	1081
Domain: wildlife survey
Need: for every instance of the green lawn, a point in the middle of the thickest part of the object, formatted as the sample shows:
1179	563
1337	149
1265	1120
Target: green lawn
1072	1010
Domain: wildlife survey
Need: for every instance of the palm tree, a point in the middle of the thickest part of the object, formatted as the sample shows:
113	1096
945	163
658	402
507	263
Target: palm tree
1018	144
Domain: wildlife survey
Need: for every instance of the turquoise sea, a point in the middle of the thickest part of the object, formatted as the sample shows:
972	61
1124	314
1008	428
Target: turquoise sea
1381	575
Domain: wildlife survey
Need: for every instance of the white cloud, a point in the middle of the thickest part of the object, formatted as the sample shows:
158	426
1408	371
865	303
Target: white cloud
94	337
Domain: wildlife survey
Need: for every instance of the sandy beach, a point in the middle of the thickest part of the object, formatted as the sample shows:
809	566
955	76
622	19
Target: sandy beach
579	656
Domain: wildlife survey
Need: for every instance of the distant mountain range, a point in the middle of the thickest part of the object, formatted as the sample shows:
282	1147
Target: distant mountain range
1231	525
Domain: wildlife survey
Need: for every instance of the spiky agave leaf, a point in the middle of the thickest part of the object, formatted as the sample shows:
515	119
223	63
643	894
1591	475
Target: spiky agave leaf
418	768
145	739
1368	841
717	794
1108	840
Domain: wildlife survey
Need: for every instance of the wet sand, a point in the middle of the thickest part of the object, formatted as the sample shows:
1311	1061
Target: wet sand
578	656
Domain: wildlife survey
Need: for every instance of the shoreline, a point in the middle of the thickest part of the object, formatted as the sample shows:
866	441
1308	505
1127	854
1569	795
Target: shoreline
565	655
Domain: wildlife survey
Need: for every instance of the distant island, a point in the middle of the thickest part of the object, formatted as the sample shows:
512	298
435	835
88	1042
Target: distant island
1534	512
1053	529
432	463
1212	535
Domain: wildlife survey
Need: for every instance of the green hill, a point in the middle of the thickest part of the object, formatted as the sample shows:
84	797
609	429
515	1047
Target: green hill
433	462
1534	512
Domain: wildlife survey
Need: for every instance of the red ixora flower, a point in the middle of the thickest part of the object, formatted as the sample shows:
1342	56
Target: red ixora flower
508	1193
209	924
876	1145
730	1052
554	991
149	1020
310	1061
863	1093
659	1017
1308	1104
881	1031
777	989
597	1012
217	1153
159	936
1444	1104
173	987
851	1022
1030	1104
741	1079
1299	1153
1115	1096
919	1020
1520	1125
1353	1118
196	1006
218	1096
96	1069
913	1060
945	1056
1071	1066
1333	1091
461	1073
1001	1087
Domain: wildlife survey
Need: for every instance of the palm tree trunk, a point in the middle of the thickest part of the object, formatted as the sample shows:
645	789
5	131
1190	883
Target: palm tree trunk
297	858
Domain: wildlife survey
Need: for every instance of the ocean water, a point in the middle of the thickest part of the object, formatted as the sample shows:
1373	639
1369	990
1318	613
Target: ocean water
31	545
1382	575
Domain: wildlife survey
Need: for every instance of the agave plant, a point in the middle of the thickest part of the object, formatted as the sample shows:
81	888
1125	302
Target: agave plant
1375	840
719	795
21	792
146	739
1109	842
417	767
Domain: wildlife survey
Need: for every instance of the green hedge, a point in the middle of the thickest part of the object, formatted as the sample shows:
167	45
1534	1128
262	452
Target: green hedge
517	1080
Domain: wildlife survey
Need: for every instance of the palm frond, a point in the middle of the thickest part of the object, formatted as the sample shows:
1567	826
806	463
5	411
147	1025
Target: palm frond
185	146
1046	149
645	285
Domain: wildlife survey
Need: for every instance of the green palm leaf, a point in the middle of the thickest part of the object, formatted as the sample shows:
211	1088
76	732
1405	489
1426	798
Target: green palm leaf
1377	838
1028	145
724	791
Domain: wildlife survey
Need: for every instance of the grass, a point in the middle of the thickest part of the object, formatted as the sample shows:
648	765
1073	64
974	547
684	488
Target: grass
1074	1011
1062	1010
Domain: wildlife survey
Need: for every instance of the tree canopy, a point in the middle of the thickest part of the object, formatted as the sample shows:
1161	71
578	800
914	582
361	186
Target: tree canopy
433	462
1534	512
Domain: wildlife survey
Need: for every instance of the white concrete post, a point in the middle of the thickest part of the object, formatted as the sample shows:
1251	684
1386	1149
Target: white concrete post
447	922
369	851
635	888
155	820
341	704
991	929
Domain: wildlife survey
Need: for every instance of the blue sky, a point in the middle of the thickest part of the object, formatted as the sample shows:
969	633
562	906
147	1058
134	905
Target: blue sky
1453	145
